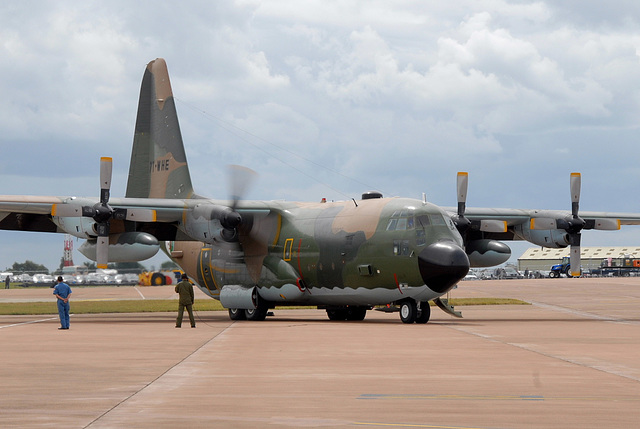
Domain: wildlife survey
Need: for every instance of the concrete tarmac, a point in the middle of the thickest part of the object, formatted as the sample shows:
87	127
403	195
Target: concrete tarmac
569	360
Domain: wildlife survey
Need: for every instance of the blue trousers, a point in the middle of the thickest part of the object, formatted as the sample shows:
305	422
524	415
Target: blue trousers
63	311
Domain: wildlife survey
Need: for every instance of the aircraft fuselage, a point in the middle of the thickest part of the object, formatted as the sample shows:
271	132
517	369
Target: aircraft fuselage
360	253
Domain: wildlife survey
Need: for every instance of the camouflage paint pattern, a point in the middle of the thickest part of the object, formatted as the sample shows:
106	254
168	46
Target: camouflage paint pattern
158	166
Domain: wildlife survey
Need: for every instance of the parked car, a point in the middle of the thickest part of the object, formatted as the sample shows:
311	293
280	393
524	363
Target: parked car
43	279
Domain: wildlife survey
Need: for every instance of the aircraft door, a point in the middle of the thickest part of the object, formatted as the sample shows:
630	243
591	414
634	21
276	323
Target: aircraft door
205	269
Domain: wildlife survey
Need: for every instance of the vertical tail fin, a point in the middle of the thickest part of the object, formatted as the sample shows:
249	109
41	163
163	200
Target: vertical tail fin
158	167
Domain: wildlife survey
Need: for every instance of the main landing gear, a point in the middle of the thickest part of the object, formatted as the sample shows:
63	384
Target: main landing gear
257	314
347	313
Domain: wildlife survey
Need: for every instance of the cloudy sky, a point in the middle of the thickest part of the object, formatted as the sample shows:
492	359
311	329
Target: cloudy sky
330	99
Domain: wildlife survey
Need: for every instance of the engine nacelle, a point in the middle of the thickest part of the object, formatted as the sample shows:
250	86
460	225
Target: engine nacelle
81	227
125	247
487	253
554	238
236	296
203	223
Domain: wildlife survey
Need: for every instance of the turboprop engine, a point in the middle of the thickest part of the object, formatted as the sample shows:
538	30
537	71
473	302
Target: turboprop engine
210	223
125	247
555	238
81	227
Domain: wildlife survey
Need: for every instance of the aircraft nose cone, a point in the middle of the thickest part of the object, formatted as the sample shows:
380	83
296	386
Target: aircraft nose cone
443	265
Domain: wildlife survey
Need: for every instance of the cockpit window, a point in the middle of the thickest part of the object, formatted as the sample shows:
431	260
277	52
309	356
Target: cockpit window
437	219
402	224
392	224
423	220
401	220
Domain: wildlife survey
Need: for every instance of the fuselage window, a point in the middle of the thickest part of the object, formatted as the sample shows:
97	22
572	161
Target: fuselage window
401	247
288	244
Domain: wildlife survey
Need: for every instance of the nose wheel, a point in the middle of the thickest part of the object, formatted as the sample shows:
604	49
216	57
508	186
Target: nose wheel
408	311
412	311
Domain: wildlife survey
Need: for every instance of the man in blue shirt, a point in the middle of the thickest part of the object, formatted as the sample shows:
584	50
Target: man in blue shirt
62	291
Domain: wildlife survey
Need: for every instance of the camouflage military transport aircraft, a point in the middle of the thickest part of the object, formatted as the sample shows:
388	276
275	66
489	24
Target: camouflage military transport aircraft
348	257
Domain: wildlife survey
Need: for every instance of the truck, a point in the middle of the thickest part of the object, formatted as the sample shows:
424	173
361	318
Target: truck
624	266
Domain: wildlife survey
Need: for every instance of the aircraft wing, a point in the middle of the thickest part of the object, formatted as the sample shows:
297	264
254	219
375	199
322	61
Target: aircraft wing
34	213
521	216
27	213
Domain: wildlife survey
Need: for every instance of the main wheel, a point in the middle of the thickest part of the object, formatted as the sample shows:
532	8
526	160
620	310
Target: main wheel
337	313
356	313
408	311
257	314
424	313
236	314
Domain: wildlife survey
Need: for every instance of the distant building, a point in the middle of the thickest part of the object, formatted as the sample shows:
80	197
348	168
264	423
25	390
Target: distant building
542	258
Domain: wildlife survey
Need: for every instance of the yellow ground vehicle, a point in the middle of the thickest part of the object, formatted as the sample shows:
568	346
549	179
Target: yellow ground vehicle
160	278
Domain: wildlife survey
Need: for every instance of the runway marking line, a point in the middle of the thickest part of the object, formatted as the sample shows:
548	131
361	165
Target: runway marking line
536	398
455	397
28	323
405	425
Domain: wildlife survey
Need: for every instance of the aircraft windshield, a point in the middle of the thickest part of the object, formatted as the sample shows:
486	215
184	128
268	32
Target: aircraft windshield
401	220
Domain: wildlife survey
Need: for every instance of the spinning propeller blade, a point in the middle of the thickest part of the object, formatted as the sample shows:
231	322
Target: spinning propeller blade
239	179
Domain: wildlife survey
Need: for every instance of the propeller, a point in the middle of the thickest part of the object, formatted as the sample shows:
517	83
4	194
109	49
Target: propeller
574	224
463	224
239	180
102	213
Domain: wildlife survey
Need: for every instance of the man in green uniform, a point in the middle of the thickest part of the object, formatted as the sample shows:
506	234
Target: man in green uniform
185	289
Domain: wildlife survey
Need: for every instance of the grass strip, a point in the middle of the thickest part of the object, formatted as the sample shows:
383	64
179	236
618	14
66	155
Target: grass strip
485	301
164	305
98	306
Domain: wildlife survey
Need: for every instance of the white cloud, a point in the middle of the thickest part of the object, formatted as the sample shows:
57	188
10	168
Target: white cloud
399	97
